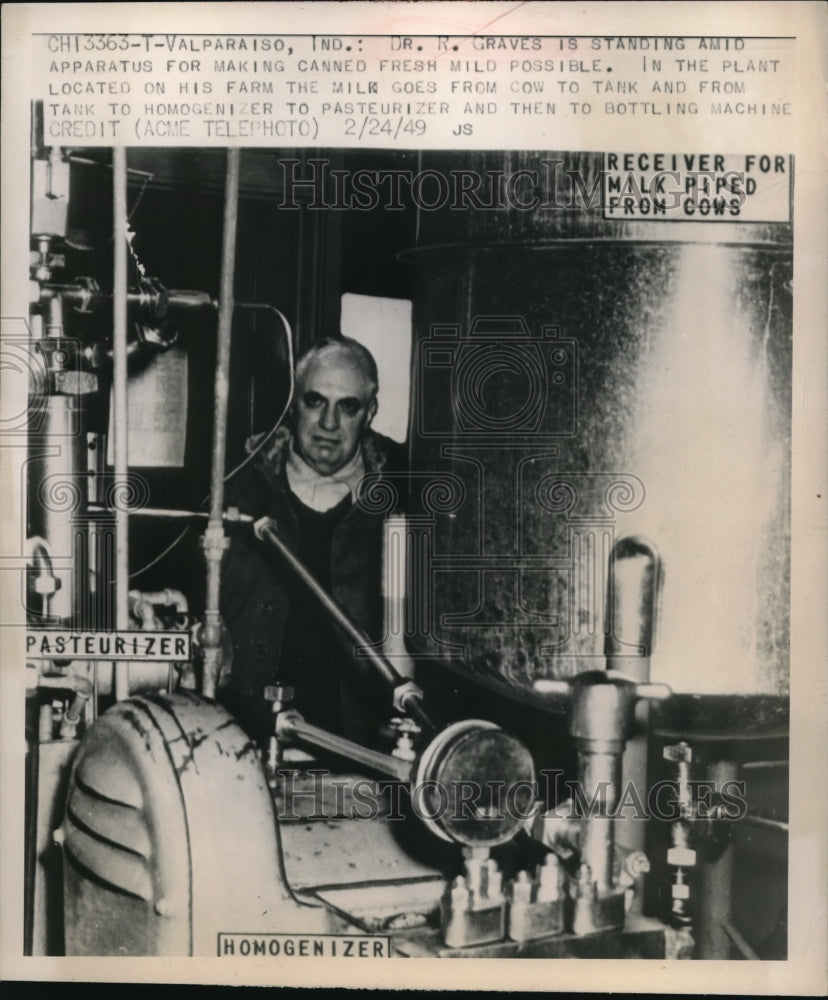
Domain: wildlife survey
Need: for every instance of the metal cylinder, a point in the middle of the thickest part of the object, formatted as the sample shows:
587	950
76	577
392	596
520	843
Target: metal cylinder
716	884
600	779
120	403
57	499
578	380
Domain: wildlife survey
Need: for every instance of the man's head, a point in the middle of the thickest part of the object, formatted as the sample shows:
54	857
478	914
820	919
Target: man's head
334	403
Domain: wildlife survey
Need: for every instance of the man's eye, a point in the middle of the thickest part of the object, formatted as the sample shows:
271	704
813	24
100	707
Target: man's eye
350	407
312	399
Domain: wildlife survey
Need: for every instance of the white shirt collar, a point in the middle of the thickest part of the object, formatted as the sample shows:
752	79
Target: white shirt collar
320	492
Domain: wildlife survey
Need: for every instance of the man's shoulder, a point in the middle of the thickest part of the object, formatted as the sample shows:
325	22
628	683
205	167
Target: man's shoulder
255	485
384	454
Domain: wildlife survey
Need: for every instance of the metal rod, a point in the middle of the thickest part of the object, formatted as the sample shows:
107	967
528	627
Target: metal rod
214	541
715	883
225	322
119	403
744	948
411	702
292	726
170	512
266	530
769	824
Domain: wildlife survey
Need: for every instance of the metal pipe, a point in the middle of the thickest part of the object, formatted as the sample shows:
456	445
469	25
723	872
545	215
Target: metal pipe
744	948
167	598
600	780
87	298
119	402
291	726
411	698
83	692
634	585
172	513
716	885
780	826
266	530
225	320
214	541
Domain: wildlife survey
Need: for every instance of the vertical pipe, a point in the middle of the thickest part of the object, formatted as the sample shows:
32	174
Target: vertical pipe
632	609
119	404
225	320
600	778
214	541
716	885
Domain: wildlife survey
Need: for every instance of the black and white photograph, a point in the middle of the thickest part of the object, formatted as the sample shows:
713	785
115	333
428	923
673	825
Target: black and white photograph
403	564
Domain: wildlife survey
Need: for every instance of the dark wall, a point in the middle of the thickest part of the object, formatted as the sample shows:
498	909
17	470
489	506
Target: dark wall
371	240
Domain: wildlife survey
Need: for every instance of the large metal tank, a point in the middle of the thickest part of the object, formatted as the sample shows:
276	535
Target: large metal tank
578	380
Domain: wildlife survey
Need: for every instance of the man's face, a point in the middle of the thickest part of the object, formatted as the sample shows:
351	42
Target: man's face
334	408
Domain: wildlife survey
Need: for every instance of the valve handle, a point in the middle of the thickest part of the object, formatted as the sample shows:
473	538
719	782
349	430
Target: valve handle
563	689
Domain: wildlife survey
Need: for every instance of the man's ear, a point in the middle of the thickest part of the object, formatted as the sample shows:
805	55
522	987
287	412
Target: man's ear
372	411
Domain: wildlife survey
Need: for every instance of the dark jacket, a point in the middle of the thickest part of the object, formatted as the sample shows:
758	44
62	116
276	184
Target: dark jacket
257	593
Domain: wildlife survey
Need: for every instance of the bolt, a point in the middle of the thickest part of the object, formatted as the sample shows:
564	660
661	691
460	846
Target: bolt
680	753
279	694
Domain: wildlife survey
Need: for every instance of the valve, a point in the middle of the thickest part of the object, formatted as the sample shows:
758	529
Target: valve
600	707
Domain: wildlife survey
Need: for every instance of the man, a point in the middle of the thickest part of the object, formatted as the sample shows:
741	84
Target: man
307	479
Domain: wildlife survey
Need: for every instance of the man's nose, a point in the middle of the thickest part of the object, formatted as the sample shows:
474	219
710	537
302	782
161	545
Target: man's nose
329	420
